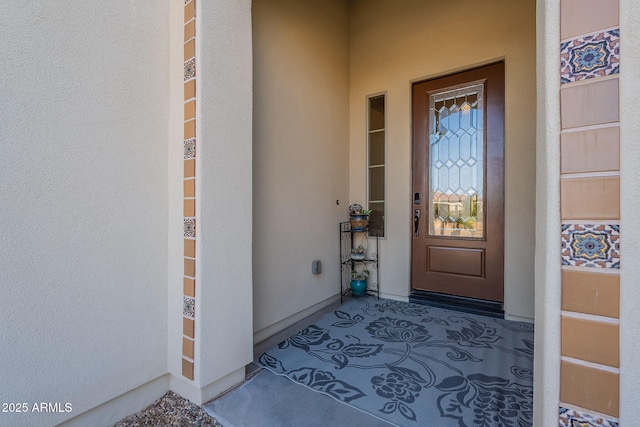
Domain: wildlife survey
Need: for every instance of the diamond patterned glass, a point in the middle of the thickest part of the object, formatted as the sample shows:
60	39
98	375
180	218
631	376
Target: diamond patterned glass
456	162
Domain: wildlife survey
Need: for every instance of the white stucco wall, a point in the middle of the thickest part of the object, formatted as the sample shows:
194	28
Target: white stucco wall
629	206
396	43
546	367
300	147
223	192
83	202
175	225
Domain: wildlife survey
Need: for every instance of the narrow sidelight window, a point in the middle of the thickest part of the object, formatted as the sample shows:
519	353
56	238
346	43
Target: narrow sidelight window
376	157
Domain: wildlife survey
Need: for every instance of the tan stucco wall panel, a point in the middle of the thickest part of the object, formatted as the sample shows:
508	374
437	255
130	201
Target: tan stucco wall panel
300	146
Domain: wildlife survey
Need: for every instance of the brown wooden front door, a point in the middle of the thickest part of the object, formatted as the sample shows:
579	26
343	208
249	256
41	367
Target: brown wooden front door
458	184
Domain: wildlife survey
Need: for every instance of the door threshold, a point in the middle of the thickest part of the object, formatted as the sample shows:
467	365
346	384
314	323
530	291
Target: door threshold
458	303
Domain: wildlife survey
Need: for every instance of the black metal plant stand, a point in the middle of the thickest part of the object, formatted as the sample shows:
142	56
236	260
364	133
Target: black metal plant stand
349	239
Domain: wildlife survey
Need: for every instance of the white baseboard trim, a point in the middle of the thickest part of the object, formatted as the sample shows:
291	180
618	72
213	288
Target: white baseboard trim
515	318
133	401
209	392
112	411
224	384
271	330
394	297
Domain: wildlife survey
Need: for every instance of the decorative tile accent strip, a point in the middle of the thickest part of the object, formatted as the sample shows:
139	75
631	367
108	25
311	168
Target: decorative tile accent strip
189	201
190	148
190	168
189	227
187	348
190	69
189	10
189	30
189	307
188	327
572	418
591	292
187	369
189	187
189	207
587	245
190	89
189	287
586	57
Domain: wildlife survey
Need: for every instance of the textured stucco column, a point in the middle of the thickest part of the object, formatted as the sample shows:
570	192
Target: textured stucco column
223	310
629	208
547	264
224	166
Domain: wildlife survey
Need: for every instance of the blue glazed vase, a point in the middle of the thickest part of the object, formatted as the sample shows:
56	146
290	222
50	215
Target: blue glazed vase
358	287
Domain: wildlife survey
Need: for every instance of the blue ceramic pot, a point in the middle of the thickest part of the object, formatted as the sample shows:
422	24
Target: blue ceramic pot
359	222
358	287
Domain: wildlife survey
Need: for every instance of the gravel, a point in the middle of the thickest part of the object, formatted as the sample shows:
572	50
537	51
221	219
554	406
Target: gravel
170	410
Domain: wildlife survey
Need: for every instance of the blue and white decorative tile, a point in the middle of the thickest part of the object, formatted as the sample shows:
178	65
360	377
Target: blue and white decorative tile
189	227
572	418
189	307
189	69
591	245
593	55
189	148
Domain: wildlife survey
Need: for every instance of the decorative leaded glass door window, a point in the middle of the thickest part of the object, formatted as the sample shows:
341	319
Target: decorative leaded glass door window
456	165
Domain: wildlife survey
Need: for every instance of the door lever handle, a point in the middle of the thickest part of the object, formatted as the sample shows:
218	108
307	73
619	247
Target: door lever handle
416	222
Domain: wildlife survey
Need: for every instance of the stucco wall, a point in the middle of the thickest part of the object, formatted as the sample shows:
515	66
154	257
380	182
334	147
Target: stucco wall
83	210
548	254
300	149
223	191
629	204
175	262
396	43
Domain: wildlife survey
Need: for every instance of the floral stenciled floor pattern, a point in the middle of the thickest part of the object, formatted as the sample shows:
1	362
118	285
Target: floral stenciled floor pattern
415	365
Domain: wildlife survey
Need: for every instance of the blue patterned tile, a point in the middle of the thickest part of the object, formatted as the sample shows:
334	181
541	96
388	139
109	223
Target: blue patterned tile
589	245
586	57
189	307
189	148
189	227
189	69
572	418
